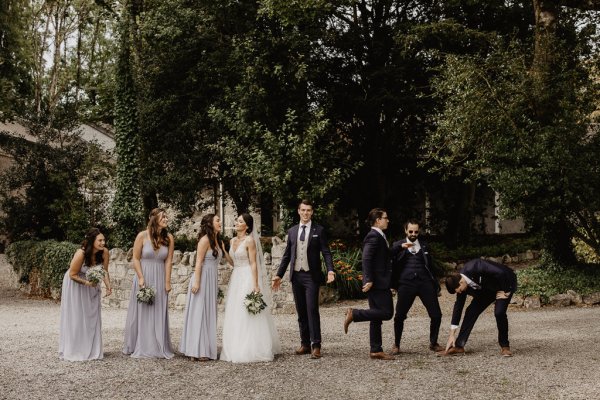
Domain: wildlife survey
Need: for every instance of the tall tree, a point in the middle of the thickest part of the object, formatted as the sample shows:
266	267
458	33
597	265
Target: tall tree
15	58
525	125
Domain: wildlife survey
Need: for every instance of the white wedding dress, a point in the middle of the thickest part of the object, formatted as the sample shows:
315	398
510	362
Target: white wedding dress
247	337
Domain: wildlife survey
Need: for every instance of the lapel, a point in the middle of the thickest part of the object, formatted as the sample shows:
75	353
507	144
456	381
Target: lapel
294	237
313	230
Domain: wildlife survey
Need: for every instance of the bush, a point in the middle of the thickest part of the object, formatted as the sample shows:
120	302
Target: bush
486	246
48	260
184	243
548	280
348	270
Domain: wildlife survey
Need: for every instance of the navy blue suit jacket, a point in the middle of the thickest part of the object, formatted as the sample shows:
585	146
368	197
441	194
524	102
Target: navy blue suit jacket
376	266
491	276
398	260
317	245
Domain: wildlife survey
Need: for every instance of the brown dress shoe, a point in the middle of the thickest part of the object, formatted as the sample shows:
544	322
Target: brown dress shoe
348	320
302	350
395	350
436	347
381	356
506	352
316	353
452	351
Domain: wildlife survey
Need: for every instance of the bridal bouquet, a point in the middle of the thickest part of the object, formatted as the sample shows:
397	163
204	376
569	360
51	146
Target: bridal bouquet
95	274
146	295
254	302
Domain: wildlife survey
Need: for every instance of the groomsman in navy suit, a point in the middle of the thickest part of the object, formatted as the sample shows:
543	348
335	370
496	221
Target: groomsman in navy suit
305	243
488	282
377	273
412	277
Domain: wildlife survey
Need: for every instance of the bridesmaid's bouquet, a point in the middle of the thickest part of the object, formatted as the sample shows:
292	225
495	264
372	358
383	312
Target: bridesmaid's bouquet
95	274
146	295
255	302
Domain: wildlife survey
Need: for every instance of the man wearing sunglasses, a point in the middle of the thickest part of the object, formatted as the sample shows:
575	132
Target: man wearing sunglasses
412	277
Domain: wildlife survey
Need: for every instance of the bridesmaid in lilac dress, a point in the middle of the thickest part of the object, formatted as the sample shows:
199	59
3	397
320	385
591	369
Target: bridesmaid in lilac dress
199	337
80	337
147	325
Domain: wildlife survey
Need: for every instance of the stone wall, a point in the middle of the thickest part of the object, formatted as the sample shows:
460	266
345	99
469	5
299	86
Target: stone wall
122	274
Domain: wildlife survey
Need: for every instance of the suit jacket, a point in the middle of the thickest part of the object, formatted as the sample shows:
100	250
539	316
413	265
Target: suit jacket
491	276
317	244
399	258
376	266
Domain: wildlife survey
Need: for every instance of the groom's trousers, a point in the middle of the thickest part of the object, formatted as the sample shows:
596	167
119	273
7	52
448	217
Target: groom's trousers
306	297
381	308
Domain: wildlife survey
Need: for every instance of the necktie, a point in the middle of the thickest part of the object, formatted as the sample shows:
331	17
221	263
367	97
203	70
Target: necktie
302	234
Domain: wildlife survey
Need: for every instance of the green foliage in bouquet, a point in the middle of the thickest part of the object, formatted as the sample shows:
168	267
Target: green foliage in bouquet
254	303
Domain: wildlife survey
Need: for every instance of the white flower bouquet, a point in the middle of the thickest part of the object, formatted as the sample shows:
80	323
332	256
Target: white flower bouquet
255	302
146	295
95	274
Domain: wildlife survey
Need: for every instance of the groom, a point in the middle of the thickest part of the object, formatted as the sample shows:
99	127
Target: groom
305	242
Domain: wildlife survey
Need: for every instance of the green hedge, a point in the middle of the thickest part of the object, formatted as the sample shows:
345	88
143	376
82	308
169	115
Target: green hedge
486	246
48	260
548	280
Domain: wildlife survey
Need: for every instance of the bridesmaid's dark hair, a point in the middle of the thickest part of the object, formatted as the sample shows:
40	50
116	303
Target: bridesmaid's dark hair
207	228
91	258
249	222
157	237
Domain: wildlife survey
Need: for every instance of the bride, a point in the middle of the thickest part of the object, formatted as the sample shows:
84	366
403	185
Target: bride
248	337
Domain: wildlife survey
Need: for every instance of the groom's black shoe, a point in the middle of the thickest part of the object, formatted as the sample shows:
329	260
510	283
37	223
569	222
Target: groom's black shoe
316	353
302	350
348	320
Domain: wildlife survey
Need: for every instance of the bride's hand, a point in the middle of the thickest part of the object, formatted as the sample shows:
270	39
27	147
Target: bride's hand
256	289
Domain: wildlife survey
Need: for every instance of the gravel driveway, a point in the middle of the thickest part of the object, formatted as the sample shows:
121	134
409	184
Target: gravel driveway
557	356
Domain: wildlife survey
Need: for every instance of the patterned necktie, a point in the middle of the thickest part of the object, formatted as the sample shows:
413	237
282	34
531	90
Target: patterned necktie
302	236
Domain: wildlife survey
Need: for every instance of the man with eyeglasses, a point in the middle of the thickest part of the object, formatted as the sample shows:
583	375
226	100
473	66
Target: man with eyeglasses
377	272
412	277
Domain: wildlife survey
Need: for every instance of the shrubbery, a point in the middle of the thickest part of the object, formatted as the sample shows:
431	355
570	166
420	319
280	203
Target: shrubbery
547	280
348	270
47	260
485	246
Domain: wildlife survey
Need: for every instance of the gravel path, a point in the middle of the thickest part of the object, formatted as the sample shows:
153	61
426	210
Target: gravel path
556	357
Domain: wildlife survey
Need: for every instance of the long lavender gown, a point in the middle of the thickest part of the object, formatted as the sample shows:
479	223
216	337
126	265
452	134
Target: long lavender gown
147	326
199	337
80	337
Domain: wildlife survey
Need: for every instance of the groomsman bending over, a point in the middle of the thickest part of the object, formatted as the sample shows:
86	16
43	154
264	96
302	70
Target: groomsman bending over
377	272
488	282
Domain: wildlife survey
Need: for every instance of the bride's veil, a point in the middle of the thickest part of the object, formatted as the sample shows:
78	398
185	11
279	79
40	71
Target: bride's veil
263	278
